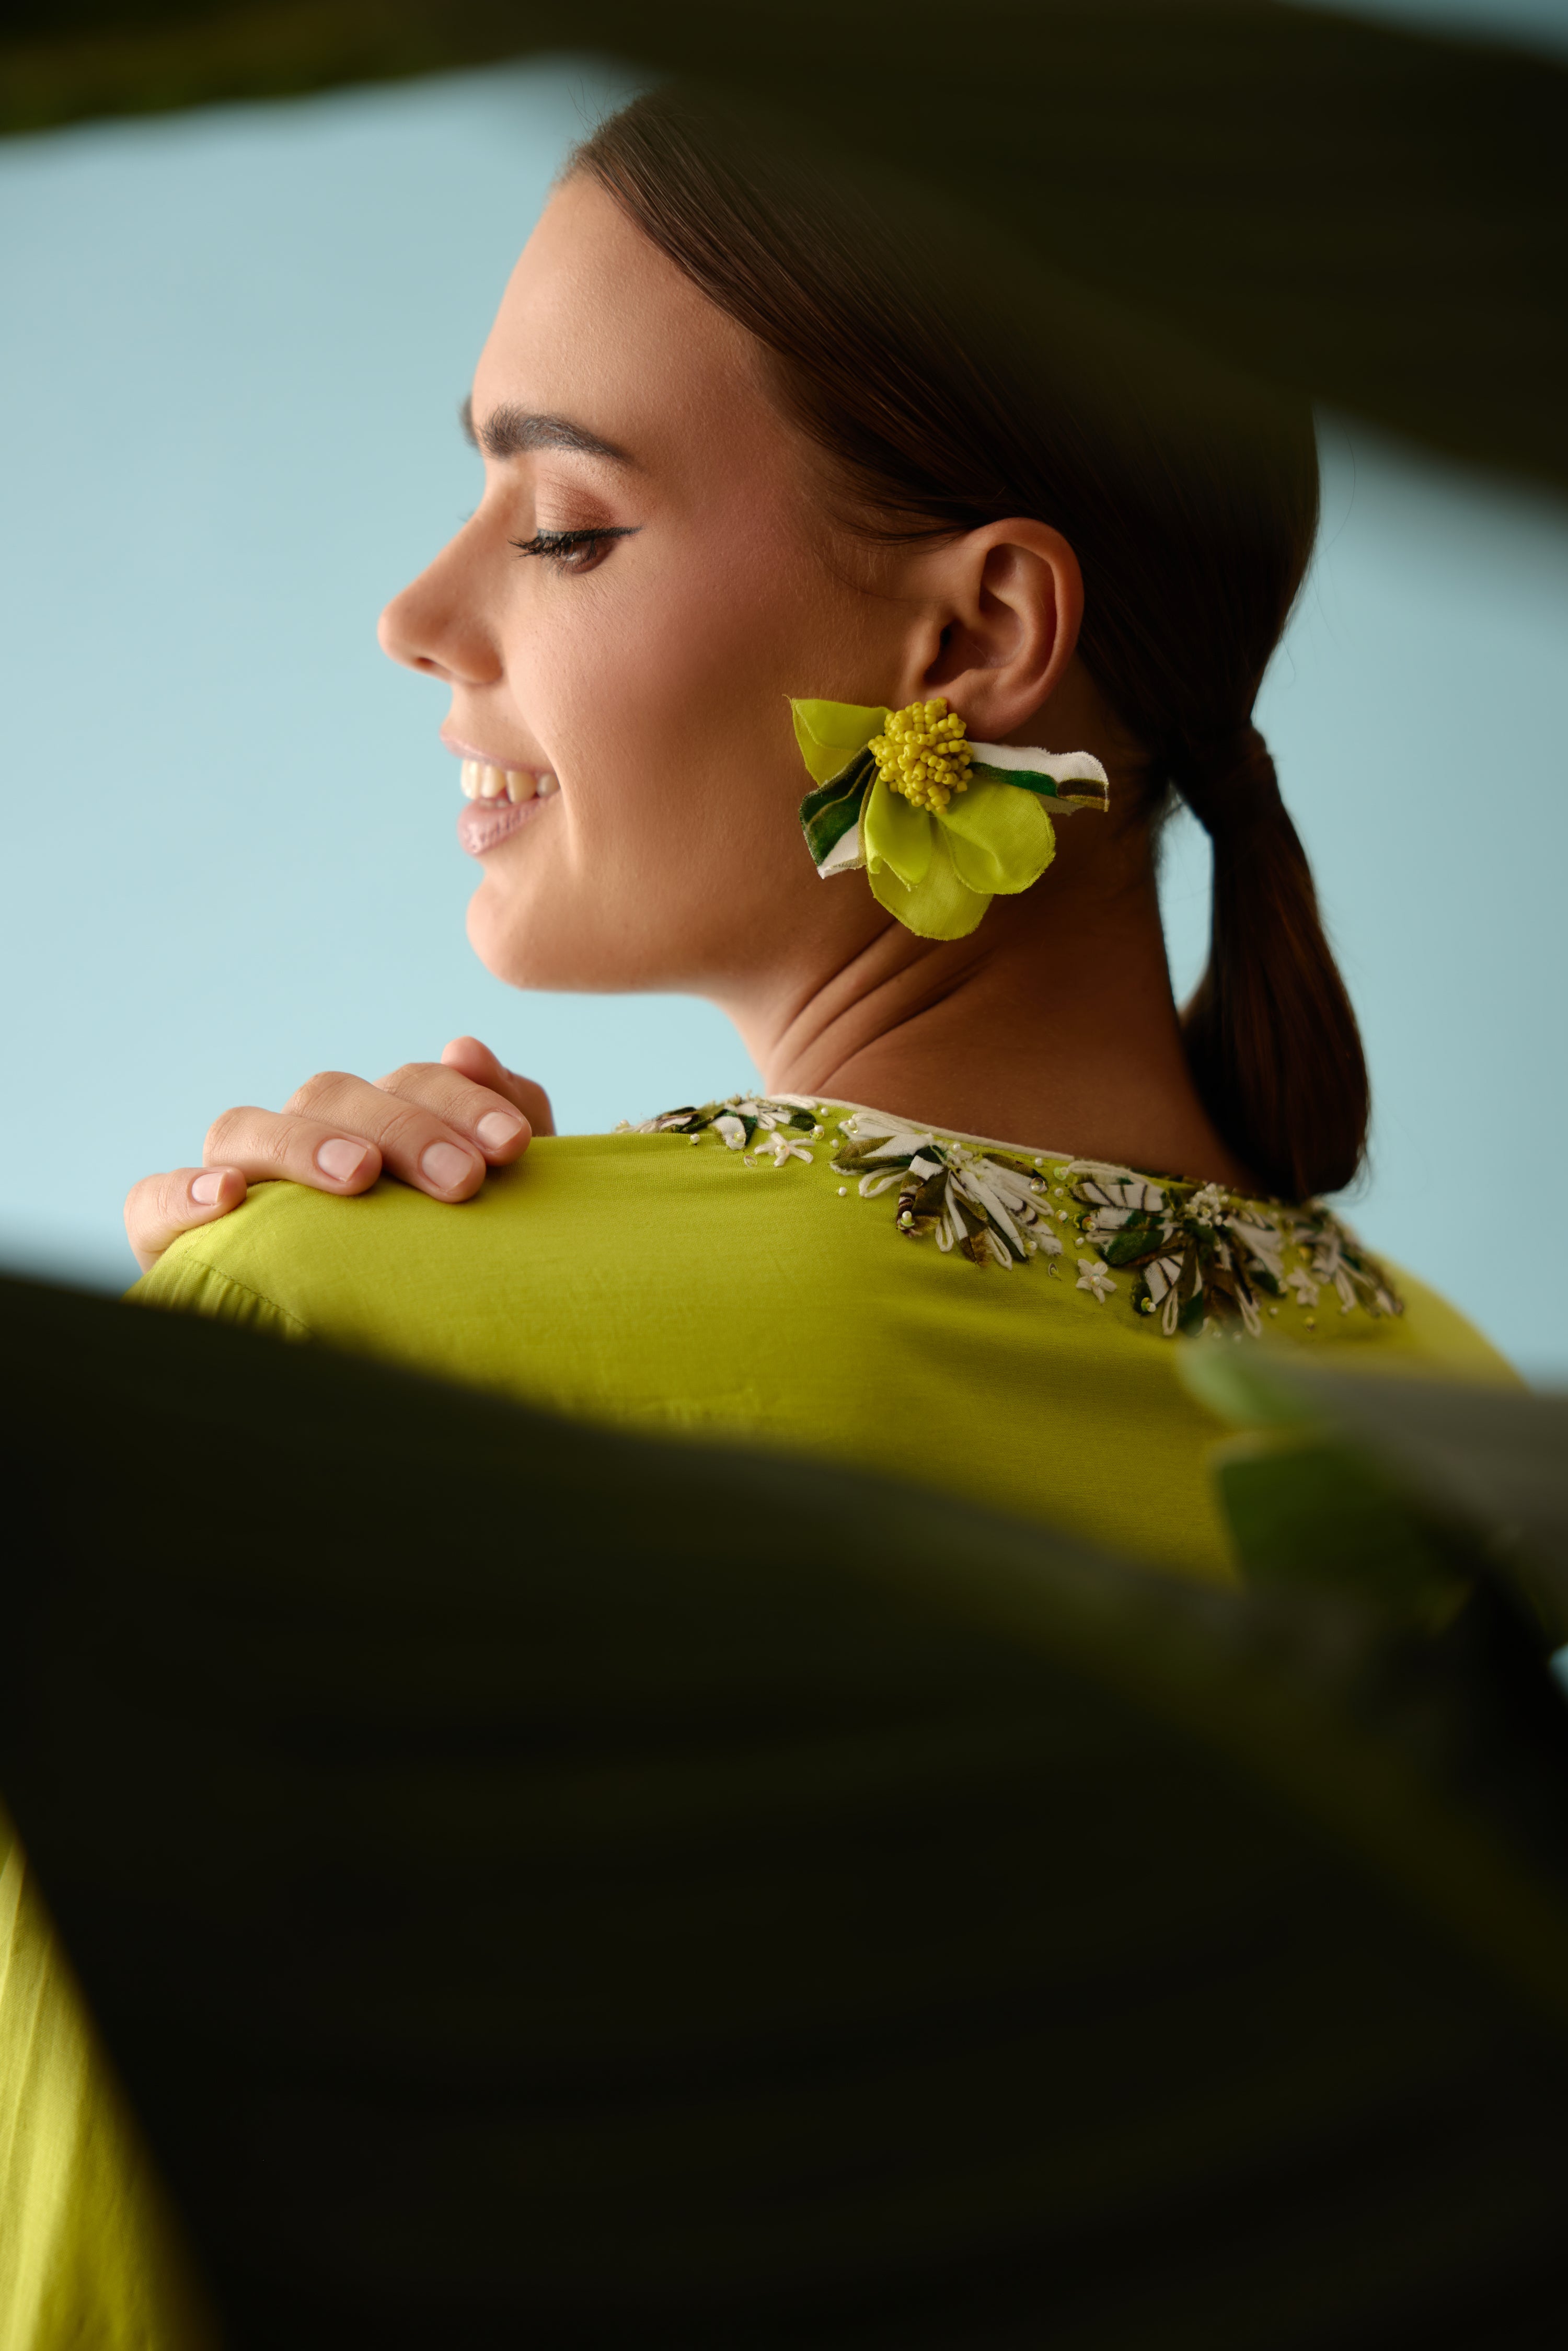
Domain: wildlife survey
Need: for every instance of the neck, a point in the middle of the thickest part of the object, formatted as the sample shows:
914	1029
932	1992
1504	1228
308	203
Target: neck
1053	1025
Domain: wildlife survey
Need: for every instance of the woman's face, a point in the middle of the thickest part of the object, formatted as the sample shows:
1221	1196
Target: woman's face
648	672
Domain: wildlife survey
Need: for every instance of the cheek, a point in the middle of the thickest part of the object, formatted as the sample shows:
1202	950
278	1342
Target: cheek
663	698
658	688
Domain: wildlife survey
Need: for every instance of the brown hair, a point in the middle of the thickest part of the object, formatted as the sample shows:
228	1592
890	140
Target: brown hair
1190	500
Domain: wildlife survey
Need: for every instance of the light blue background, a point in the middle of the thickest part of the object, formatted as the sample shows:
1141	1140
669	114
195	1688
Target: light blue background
1525	24
236	344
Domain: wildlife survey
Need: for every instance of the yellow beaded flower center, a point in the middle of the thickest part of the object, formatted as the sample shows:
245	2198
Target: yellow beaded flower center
921	753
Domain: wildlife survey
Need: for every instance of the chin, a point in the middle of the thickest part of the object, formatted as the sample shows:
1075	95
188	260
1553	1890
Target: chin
542	948
509	941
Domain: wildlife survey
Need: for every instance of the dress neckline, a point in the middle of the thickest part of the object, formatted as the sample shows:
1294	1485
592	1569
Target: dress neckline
1199	1257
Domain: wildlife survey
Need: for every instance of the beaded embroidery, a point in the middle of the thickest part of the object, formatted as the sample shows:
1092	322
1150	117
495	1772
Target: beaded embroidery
1197	1257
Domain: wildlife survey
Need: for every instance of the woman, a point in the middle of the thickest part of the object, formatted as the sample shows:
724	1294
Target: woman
740	451
734	456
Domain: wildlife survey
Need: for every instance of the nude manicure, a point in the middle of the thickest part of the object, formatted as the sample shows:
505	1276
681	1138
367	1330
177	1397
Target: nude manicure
497	1128
341	1159
205	1187
445	1165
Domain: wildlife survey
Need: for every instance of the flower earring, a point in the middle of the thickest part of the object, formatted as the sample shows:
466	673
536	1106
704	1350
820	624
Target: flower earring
940	825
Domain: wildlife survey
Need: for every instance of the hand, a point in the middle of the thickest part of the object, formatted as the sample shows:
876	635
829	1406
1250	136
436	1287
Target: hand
438	1126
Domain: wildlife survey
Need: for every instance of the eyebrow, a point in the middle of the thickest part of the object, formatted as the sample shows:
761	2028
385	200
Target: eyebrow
510	432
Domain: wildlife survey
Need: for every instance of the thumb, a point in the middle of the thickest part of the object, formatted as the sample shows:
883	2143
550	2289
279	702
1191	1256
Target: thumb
476	1061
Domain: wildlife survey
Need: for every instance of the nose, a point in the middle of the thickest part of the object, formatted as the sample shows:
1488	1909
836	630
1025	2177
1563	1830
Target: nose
436	625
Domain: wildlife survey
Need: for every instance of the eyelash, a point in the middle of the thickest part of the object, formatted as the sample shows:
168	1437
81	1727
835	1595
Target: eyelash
563	547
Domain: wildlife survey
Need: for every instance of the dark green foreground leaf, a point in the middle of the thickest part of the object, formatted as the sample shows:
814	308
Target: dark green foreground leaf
542	1886
1372	214
1419	1485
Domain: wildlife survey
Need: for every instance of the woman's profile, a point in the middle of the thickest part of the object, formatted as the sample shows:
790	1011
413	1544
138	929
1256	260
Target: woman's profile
735	458
773	515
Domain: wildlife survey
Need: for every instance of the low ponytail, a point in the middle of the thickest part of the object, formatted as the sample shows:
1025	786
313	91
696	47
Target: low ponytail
1270	1036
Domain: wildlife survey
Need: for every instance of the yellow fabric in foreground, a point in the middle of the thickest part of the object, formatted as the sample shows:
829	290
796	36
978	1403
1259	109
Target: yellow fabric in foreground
88	2254
643	1281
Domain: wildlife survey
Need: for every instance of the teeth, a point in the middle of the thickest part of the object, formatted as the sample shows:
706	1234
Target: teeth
483	782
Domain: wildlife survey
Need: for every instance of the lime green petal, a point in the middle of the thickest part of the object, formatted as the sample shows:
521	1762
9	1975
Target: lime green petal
939	906
830	733
999	838
897	834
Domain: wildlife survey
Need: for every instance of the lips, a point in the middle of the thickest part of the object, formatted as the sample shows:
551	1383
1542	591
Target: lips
483	825
501	801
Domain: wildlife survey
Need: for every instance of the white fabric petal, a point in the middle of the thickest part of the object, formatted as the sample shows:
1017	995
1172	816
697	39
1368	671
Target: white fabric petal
1061	767
846	855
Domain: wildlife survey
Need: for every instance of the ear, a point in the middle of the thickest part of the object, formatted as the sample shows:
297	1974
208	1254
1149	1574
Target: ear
1002	607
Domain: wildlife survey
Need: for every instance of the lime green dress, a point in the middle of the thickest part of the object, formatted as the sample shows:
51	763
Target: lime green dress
801	1273
996	1322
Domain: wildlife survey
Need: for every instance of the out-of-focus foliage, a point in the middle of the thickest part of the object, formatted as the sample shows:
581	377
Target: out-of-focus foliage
1406	1492
1378	218
540	1884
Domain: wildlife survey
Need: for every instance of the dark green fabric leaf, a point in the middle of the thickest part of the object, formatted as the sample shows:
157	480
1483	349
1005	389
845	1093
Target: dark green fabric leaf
829	810
1190	1320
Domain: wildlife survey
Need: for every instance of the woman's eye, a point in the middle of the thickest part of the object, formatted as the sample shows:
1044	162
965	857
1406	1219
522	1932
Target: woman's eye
573	550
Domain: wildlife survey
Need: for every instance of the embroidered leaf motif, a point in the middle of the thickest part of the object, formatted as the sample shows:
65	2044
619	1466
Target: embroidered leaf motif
1204	1258
988	1205
785	1123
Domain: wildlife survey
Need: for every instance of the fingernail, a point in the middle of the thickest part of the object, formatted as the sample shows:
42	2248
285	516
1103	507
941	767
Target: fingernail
497	1128
205	1187
445	1165
341	1159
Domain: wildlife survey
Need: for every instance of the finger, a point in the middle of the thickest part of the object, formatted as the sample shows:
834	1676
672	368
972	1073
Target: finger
412	1142
476	1062
486	1118
161	1208
270	1146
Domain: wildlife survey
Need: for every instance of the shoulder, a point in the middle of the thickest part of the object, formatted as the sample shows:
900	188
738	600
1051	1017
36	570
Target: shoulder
295	1257
1434	1336
583	1225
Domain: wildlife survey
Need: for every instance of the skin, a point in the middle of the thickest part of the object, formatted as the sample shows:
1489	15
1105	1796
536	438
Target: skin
649	672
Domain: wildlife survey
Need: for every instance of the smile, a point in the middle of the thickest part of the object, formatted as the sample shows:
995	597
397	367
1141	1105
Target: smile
499	802
483	782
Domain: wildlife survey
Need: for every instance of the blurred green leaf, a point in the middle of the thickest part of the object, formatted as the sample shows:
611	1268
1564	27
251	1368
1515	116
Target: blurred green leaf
523	1914
1325	1516
1372	216
1417	1470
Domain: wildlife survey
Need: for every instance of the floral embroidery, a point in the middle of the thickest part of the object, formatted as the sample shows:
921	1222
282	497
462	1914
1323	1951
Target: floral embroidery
1197	1258
988	1205
1202	1259
1092	1277
787	1123
1206	1259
